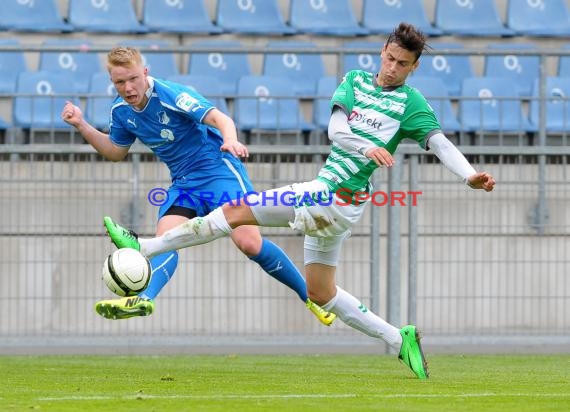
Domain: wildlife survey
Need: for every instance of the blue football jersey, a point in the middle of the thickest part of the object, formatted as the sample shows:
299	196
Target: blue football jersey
171	126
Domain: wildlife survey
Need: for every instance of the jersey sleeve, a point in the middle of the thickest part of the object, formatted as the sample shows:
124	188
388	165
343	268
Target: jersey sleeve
187	100
118	134
343	96
420	121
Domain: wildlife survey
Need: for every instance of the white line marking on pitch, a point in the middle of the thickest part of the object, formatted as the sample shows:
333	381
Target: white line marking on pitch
302	396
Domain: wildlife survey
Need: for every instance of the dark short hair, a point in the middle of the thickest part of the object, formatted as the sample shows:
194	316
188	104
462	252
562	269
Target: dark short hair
408	37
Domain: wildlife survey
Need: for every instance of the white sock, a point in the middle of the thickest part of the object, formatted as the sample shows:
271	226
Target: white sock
196	231
352	312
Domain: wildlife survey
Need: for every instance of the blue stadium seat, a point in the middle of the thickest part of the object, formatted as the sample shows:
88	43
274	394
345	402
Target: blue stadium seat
79	63
226	67
369	62
326	86
451	68
180	16
303	69
470	18
268	103
492	104
251	17
32	16
557	108
12	63
382	16
116	16
325	17
523	69
539	18
160	64
437	95
207	86
98	104
40	96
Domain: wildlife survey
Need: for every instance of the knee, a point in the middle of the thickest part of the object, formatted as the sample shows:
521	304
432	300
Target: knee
249	245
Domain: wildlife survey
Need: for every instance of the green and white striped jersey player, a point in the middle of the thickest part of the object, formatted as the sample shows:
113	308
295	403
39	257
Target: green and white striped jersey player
371	115
377	117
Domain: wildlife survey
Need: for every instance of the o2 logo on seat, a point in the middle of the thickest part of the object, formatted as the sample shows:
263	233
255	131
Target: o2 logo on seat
216	61
66	62
44	87
319	5
465	3
246	5
100	4
262	93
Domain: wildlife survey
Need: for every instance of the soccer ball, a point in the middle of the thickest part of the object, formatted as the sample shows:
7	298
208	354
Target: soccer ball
126	272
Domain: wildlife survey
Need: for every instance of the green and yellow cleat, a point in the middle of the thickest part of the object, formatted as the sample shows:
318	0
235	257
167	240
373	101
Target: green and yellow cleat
124	308
325	317
411	352
122	238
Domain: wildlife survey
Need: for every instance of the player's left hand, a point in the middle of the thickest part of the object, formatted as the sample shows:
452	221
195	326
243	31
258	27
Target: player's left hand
481	180
236	148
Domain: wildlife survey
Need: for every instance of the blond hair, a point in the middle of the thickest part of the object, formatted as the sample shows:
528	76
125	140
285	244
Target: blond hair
124	57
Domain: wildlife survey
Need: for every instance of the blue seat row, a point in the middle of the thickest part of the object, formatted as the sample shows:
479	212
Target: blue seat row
303	68
323	17
270	103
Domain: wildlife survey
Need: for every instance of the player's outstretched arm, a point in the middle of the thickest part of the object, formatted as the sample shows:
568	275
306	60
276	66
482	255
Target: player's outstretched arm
456	162
73	116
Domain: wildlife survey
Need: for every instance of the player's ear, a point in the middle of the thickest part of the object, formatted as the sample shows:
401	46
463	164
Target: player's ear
415	65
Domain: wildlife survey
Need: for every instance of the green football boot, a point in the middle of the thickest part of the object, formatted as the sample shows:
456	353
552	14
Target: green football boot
411	352
122	238
124	308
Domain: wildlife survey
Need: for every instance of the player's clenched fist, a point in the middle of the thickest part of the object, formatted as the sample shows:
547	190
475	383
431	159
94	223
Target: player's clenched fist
71	114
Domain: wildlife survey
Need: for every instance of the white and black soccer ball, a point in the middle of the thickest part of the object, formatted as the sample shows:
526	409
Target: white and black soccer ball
126	272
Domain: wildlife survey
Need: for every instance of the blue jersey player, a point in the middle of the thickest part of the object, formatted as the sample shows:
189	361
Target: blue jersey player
199	145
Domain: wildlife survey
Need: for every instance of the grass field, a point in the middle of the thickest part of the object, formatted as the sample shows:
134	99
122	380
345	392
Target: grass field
283	383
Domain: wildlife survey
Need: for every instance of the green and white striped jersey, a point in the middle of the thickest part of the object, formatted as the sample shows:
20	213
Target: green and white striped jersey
384	118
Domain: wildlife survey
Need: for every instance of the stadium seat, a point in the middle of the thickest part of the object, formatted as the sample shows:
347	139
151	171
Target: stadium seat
226	67
40	96
539	18
207	86
369	62
437	95
116	16
160	64
98	104
12	63
523	69
325	17
382	16
32	16
251	17
181	16
492	104
326	86
79	63
451	68
557	108
303	69
470	18
268	103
